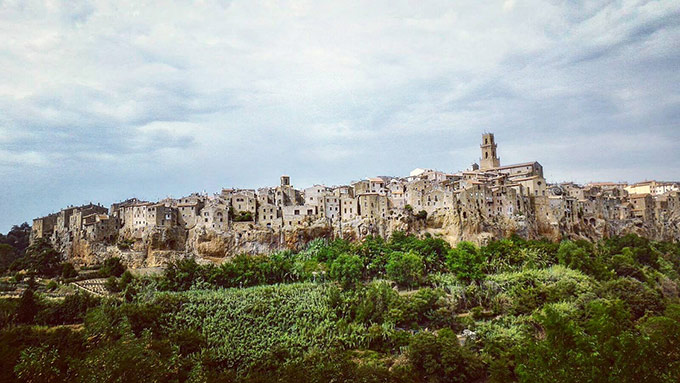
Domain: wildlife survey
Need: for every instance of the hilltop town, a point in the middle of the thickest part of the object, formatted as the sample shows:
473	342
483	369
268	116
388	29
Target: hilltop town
488	200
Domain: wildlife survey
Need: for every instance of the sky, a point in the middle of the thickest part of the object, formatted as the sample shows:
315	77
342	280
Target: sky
101	101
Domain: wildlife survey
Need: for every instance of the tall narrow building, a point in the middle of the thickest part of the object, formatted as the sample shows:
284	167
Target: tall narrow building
489	158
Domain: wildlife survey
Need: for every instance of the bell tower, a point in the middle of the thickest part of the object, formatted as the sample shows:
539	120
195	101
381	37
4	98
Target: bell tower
489	158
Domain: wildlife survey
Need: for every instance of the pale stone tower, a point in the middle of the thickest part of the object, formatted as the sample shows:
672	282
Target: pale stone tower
285	181
489	159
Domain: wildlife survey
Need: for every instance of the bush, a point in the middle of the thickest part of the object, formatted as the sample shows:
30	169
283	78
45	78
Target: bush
28	307
112	267
405	268
181	274
69	311
41	258
347	270
68	271
440	358
41	364
466	262
51	286
112	284
638	296
125	244
243	216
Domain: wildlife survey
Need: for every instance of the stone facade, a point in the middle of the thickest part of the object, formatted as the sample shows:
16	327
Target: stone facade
489	199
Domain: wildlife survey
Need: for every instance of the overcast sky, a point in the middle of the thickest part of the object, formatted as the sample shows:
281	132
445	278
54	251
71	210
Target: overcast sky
106	100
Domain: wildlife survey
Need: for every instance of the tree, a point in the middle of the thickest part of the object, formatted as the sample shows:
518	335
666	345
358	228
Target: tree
181	274
8	255
17	237
440	358
40	364
41	258
28	307
466	261
405	268
68	271
346	269
112	267
112	284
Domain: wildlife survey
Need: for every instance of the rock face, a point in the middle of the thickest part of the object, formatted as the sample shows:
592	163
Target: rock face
158	246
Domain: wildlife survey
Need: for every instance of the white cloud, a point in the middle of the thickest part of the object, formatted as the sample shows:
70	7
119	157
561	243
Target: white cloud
236	91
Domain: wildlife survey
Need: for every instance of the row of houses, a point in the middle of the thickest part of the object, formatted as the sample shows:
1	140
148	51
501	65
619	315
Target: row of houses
486	190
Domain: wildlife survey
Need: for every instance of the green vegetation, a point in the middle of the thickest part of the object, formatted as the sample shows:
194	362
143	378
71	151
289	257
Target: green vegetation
404	309
112	267
40	259
241	216
13	245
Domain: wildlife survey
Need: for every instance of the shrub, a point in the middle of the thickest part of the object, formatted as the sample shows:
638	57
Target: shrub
51	285
40	364
41	258
125	244
243	216
638	296
68	271
112	284
405	268
440	358
347	270
375	303
466	262
112	267
28	307
69	311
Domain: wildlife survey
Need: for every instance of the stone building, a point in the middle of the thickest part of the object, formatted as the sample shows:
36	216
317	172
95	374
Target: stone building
314	195
489	158
475	199
373	205
244	201
43	227
296	215
642	206
287	195
214	215
349	207
189	210
100	228
269	215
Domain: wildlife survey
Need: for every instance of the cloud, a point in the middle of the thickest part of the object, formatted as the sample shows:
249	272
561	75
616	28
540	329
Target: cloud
102	100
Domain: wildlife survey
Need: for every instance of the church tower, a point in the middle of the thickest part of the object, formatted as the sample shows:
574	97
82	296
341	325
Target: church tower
489	159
